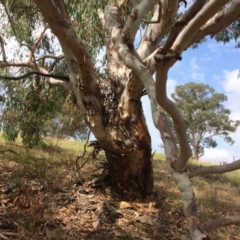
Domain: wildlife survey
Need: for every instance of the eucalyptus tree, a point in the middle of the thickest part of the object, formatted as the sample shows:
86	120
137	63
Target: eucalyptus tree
204	115
109	98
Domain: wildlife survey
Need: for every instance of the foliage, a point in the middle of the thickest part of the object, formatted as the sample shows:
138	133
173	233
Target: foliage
36	112
205	116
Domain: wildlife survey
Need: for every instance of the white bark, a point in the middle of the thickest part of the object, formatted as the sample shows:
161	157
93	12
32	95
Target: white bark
219	21
155	32
210	9
218	169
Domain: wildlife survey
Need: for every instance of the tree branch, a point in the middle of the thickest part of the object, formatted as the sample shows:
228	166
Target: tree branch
220	21
181	179
181	23
155	32
133	21
51	81
51	67
3	49
170	107
182	41
64	78
218	169
221	222
58	21
159	15
35	45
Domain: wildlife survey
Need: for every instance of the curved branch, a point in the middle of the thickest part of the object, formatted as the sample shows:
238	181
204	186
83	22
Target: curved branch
133	21
35	45
220	21
155	32
218	169
182	22
211	8
182	180
170	107
64	78
58	19
221	222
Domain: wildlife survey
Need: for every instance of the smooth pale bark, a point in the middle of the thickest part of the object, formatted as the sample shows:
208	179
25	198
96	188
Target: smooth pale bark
214	169
219	21
182	22
209	10
221	222
134	20
155	32
170	107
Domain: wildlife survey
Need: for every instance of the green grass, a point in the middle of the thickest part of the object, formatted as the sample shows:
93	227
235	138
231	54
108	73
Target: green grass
60	150
233	178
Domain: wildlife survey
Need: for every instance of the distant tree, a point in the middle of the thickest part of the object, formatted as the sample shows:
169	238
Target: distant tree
205	116
38	110
67	122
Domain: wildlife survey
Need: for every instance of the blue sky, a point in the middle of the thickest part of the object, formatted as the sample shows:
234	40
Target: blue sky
215	64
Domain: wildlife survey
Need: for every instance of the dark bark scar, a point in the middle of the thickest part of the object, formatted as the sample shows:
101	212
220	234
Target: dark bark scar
134	15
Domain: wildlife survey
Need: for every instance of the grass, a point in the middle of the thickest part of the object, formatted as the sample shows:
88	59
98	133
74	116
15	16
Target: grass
63	150
216	195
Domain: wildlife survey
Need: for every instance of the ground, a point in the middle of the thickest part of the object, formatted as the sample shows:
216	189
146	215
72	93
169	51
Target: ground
42	197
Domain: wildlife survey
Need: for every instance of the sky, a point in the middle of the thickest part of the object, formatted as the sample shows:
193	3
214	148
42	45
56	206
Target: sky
217	65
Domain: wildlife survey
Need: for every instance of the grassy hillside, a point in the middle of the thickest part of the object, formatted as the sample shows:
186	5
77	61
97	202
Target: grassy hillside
43	197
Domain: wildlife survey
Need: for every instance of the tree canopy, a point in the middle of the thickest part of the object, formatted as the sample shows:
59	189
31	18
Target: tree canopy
205	116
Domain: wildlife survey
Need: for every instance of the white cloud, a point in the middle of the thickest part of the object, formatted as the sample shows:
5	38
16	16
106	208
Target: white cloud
219	48
217	155
231	85
196	72
171	84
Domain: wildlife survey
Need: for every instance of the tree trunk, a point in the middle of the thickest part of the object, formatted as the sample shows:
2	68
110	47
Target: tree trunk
129	154
195	152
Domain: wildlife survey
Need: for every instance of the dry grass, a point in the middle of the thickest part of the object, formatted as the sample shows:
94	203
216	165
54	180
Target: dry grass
47	179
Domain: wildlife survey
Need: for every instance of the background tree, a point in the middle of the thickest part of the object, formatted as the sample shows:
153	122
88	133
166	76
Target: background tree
110	100
204	115
38	110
